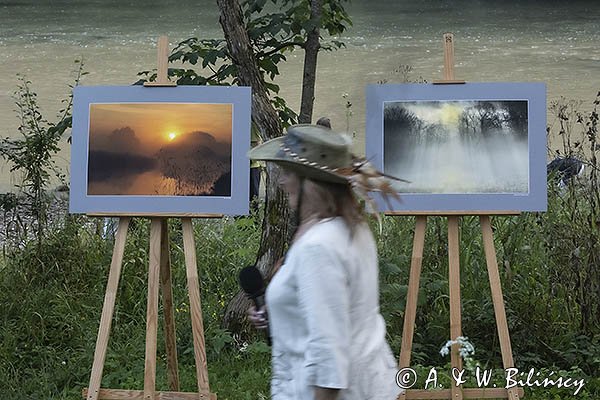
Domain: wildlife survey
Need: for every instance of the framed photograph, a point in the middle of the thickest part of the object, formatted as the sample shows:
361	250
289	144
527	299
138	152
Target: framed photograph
160	150
464	147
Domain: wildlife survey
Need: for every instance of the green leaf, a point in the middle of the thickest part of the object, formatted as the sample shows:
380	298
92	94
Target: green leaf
272	87
192	58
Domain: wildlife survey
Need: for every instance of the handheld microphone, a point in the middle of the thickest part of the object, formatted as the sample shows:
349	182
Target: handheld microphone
253	285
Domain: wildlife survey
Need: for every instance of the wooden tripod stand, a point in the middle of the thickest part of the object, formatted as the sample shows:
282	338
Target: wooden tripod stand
159	268
455	392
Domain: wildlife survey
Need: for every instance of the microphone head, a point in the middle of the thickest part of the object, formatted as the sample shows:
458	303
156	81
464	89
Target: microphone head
251	281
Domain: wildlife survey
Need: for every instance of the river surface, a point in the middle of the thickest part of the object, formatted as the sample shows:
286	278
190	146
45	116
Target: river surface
556	42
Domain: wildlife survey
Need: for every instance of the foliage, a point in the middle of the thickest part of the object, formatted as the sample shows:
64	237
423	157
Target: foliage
33	154
274	29
44	310
578	250
51	309
405	71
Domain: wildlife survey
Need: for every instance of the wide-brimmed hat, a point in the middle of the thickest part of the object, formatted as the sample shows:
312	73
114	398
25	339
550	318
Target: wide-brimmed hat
318	153
313	151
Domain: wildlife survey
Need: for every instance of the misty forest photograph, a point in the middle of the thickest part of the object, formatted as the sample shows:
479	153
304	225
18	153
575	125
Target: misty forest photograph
162	149
458	147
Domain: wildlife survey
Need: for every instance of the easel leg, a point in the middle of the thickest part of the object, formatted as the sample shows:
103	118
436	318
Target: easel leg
455	307
408	329
168	308
496	288
152	310
195	307
108	309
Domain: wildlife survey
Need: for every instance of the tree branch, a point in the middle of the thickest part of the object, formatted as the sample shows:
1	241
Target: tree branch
280	47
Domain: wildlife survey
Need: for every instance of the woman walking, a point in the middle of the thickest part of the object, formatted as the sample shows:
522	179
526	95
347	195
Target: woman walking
323	302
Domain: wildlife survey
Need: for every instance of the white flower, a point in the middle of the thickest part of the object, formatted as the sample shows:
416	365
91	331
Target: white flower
244	347
466	348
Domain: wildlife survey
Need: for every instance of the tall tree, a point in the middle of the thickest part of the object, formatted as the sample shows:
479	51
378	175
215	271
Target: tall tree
264	115
305	33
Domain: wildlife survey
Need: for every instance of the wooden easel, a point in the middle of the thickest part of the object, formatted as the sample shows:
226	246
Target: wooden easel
160	266
455	392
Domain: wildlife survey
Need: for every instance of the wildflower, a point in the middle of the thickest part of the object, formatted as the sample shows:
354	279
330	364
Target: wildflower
466	348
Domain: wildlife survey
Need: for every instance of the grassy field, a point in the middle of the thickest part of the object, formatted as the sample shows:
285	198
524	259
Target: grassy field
51	296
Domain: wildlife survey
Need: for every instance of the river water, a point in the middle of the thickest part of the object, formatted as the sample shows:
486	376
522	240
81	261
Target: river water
556	42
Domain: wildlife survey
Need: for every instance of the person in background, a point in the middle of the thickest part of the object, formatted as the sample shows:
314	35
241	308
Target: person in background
324	121
323	302
564	169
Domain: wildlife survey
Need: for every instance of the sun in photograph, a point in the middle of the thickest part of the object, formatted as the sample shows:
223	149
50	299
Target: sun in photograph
160	149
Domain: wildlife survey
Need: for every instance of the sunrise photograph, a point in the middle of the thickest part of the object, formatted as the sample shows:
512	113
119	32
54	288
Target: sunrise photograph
159	149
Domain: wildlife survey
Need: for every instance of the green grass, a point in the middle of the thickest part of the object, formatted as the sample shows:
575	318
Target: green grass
51	297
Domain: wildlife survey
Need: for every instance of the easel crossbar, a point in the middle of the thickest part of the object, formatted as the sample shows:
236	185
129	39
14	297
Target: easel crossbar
121	394
495	393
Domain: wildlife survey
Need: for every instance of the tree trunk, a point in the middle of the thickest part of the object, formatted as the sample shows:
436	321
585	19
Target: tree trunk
275	221
310	64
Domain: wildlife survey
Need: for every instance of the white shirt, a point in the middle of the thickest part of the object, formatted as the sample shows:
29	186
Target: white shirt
324	317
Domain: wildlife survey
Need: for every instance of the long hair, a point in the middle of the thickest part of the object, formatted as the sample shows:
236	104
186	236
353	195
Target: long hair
326	199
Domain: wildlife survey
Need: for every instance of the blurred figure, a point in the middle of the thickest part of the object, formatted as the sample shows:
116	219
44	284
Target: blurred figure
322	304
564	169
